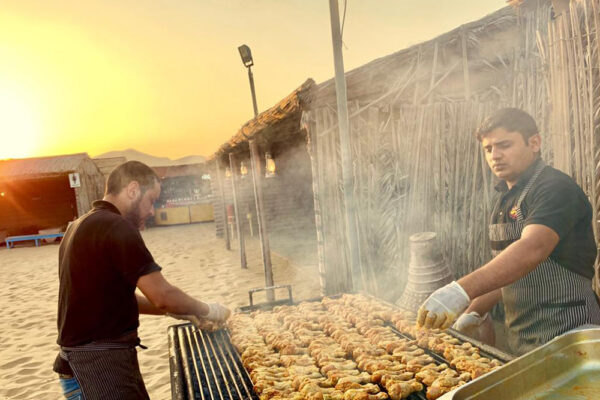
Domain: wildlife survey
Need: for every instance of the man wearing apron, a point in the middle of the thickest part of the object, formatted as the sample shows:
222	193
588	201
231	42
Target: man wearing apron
542	244
102	259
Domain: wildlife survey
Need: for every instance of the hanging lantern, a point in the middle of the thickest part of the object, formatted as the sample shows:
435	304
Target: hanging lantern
227	173
270	166
243	169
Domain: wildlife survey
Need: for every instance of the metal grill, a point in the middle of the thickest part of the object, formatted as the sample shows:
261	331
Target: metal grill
206	366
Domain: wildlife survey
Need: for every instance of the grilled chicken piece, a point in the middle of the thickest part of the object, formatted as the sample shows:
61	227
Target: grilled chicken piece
335	376
303	370
315	388
422	359
401	390
348	364
429	375
408	354
349	382
368	388
261	385
302	360
376	376
442	386
387	379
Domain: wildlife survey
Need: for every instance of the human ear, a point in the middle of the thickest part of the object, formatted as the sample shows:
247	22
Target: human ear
133	190
535	142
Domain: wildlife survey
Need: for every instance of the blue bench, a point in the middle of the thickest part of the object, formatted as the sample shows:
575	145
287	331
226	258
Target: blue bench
10	241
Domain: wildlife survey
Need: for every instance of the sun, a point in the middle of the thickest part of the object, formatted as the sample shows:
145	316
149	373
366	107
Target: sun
20	130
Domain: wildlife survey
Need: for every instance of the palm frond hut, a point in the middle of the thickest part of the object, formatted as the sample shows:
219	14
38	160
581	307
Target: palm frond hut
106	165
288	196
36	193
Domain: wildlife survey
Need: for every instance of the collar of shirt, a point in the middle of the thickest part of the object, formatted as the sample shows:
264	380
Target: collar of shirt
105	205
502	187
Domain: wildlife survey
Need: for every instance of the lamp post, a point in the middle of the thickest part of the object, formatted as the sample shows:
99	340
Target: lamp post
248	62
246	55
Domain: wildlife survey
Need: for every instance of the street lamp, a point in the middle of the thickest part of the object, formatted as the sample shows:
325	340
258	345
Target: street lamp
246	55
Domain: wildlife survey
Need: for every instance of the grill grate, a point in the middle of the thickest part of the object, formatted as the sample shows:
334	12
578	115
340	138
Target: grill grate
205	366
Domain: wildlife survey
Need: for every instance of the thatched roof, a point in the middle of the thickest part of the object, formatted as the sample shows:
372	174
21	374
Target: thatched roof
106	165
435	69
173	171
41	166
278	124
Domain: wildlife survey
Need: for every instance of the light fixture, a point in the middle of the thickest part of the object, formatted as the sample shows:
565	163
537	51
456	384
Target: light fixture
246	55
2	194
269	165
227	173
206	177
243	169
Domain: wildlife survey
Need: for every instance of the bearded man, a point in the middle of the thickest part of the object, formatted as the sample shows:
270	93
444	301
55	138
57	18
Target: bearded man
102	260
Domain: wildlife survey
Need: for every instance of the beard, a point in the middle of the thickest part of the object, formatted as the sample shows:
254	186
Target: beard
133	214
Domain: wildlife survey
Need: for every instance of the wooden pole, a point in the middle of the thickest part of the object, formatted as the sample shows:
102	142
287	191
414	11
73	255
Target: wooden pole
345	146
260	216
238	220
222	194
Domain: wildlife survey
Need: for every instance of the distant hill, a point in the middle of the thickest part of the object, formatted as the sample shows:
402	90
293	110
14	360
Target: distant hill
132	154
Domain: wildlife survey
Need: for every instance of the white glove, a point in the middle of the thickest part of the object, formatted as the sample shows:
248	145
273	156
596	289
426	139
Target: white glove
191	318
443	306
468	323
217	313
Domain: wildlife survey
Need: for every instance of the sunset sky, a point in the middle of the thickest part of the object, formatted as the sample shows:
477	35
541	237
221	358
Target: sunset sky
165	77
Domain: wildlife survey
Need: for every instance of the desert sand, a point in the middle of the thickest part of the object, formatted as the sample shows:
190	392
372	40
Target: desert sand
192	259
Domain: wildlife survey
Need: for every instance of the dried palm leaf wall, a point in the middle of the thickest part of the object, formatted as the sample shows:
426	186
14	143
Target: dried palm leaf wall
571	57
416	165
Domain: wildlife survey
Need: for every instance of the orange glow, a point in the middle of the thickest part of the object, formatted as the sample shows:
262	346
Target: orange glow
166	78
19	124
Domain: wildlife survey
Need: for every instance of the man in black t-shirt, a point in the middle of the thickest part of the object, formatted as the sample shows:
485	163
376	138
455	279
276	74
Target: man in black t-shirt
542	241
102	259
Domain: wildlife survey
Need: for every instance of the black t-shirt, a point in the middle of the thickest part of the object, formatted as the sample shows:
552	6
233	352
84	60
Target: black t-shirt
556	201
101	257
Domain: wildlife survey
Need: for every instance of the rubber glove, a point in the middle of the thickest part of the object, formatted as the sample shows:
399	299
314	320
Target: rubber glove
444	305
217	313
468	323
197	322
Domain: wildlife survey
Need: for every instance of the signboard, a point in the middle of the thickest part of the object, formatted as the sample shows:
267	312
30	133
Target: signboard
74	181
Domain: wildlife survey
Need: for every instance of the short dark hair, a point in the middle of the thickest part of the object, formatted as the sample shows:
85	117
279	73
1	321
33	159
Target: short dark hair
511	119
130	171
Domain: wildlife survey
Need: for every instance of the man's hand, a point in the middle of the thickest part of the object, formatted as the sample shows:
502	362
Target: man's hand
468	323
191	318
217	313
199	323
443	306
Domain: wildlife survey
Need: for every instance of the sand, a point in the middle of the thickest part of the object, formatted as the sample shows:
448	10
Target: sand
192	259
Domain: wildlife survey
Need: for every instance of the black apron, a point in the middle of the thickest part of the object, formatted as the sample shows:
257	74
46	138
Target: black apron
106	370
548	301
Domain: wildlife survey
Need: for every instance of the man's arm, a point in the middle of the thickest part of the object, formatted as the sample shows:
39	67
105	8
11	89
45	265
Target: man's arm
516	261
145	306
445	304
166	298
484	304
